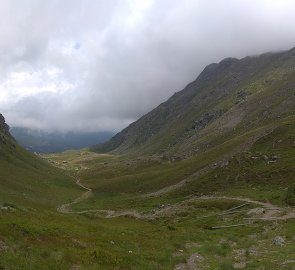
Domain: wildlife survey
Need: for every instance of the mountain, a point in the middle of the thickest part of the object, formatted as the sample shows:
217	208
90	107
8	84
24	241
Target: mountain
204	181
227	100
49	142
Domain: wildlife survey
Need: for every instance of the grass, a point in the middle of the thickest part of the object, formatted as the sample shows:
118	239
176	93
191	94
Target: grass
65	241
257	157
25	179
49	240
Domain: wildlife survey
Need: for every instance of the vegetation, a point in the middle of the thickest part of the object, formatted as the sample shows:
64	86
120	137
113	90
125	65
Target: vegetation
218	154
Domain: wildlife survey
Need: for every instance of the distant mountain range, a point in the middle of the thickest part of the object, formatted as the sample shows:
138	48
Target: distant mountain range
49	142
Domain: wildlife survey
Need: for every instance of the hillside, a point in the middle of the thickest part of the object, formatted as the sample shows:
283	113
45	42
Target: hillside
204	181
226	100
26	180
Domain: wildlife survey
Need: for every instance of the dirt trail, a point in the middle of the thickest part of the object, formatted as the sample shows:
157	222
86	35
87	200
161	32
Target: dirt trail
179	184
271	212
66	208
242	147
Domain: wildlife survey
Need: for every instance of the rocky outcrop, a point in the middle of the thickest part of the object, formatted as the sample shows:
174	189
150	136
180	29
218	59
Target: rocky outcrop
205	119
3	126
4	130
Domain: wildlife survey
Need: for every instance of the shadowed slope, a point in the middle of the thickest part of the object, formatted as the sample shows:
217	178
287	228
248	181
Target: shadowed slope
25	179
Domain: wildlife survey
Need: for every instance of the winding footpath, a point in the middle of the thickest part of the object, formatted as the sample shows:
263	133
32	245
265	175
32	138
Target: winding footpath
66	208
270	212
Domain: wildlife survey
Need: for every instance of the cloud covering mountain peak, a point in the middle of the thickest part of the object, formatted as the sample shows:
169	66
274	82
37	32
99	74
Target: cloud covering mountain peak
99	65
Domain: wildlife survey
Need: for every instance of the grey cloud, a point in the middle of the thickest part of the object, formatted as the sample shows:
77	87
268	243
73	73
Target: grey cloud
99	65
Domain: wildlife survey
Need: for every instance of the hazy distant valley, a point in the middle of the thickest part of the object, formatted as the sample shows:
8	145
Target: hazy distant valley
49	142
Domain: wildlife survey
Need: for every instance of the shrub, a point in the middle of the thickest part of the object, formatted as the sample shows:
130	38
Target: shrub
290	195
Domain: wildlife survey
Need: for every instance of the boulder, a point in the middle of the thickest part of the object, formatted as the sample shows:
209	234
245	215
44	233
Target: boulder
278	241
3	126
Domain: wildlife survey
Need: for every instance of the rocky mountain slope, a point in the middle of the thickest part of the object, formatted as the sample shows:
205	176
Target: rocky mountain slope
227	100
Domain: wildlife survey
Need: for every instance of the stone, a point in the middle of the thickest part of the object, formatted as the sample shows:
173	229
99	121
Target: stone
278	241
256	212
2	246
239	265
3	126
205	119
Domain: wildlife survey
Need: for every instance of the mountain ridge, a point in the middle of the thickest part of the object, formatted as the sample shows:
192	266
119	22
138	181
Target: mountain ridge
218	99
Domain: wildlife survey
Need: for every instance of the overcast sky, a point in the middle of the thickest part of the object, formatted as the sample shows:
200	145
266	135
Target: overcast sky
101	64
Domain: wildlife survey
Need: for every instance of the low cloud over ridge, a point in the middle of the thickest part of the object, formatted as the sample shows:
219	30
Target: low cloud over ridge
99	65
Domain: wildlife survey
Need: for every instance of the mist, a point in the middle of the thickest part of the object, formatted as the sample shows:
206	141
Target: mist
76	65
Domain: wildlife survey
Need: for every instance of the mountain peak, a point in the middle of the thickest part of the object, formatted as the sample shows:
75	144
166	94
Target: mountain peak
215	68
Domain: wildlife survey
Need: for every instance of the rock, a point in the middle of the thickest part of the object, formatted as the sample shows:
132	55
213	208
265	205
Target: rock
181	266
285	263
7	208
205	119
278	241
239	255
3	126
193	260
79	243
239	265
191	263
224	163
253	252
242	94
256	212
2	246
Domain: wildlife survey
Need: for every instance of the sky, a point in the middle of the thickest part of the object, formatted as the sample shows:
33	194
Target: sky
85	65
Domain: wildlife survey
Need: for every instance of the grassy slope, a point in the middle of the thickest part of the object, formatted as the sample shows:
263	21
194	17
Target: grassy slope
49	240
117	181
26	180
249	147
